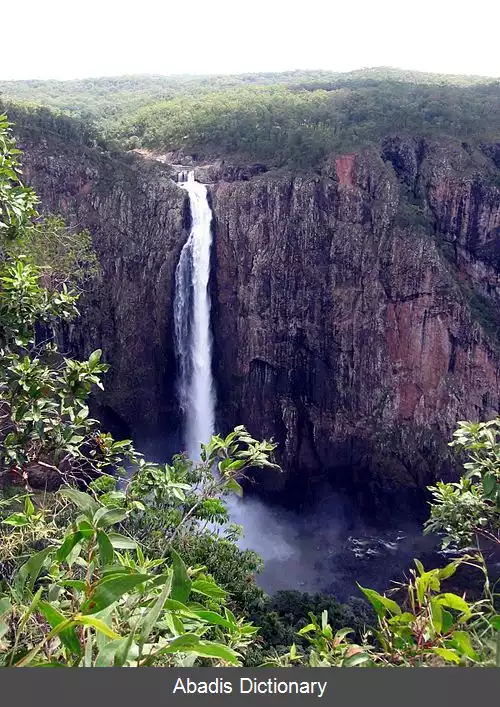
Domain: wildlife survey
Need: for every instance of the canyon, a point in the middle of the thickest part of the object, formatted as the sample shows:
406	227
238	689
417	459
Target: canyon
354	308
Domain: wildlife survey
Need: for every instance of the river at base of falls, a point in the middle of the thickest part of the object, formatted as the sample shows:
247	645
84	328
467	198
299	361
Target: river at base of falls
328	547
323	551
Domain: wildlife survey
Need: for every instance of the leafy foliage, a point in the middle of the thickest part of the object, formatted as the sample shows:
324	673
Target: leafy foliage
292	119
62	256
17	202
92	598
471	506
298	128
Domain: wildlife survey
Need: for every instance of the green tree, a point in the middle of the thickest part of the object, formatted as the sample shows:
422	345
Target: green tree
469	509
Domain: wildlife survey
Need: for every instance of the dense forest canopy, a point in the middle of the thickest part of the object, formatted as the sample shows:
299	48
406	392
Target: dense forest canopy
293	119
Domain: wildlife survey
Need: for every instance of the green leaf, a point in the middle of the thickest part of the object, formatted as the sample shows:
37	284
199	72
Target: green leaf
49	664
380	603
181	644
109	654
68	636
453	601
69	543
121	542
495	622
209	649
97	624
307	629
447	621
190	643
83	501
447	655
129	649
449	570
208	589
109	516
18	520
213	618
5	605
181	584
153	614
420	566
462	642
78	584
437	616
489	485
110	589
235	487
106	552
31	569
177	606
174	624
94	358
342	633
85	528
422	584
29	508
404	619
355	660
5	610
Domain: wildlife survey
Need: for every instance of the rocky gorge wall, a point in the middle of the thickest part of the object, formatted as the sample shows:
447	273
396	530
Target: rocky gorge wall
354	309
348	313
138	220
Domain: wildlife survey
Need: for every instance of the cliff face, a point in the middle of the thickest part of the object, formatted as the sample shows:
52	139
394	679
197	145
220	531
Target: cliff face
346	323
353	310
138	220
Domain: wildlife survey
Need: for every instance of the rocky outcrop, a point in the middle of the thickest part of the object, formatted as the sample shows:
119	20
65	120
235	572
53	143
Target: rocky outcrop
353	310
137	217
346	323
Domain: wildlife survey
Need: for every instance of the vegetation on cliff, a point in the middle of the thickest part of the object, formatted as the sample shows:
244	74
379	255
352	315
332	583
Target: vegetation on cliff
135	563
292	119
298	127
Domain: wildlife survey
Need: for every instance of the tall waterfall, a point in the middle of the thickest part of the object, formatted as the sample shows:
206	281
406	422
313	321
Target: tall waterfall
193	338
263	531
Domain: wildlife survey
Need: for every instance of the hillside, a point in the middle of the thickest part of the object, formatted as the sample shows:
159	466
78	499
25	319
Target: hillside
293	119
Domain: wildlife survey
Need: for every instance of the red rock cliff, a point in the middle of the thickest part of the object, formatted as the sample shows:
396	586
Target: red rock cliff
356	312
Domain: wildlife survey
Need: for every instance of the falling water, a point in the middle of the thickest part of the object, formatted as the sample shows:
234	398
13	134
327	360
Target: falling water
195	385
192	323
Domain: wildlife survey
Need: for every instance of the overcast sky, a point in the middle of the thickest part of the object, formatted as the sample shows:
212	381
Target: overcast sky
63	39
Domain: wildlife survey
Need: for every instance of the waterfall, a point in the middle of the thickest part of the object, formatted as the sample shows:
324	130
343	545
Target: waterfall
193	340
264	532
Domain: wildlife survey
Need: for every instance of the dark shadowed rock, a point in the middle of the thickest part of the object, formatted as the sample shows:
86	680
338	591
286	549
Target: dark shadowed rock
344	326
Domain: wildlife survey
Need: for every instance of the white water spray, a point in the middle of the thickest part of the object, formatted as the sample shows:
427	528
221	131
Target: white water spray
192	323
263	531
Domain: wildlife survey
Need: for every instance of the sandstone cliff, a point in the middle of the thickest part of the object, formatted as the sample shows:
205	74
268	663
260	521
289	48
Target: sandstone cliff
356	313
138	219
354	310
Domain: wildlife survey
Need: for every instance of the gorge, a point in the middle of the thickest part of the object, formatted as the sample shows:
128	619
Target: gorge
354	307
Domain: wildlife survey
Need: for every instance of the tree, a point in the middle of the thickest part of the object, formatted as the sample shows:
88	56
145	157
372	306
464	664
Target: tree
469	509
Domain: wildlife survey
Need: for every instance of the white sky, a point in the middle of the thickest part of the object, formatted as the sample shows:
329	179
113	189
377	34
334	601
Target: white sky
64	39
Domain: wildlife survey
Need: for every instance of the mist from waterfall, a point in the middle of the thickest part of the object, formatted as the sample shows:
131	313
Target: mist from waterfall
193	338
